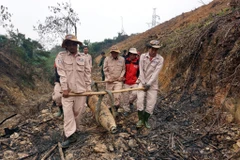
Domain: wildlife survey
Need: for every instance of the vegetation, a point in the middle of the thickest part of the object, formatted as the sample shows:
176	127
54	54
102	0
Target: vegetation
96	48
29	53
63	21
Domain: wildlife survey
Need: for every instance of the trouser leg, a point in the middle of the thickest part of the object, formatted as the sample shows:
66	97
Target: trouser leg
126	99
133	94
109	86
140	99
79	109
151	101
117	96
69	119
56	96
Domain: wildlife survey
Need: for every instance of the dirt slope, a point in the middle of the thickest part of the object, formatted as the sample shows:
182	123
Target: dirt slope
201	52
23	90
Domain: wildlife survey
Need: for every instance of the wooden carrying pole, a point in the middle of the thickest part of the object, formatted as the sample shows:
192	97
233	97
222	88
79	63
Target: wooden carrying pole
104	92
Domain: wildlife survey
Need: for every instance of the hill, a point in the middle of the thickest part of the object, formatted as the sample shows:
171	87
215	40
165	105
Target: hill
201	52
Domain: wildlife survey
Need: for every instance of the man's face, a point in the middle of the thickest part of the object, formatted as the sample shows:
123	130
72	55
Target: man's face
153	52
132	56
85	50
114	55
71	46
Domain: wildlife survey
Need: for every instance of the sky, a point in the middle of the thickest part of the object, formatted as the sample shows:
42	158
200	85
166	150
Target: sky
100	19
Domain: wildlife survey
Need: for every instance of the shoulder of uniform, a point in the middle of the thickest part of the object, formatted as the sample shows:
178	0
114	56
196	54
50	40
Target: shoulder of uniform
121	58
160	59
62	53
143	55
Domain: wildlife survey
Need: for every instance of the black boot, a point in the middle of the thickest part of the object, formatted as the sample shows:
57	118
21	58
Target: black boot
146	117
69	140
60	112
140	122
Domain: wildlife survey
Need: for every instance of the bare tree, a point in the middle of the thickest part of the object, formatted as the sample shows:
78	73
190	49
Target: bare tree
63	21
5	18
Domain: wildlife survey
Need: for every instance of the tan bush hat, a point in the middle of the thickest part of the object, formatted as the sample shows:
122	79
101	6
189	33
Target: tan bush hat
155	44
114	49
133	51
70	37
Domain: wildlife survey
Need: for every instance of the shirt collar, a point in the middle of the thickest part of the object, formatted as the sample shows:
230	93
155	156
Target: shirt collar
77	54
156	57
114	58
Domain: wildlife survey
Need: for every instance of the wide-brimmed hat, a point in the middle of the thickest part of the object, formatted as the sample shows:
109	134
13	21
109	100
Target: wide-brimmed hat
72	38
133	51
114	49
154	44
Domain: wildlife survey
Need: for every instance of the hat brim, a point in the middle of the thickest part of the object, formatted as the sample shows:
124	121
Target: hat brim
64	42
156	46
117	51
133	52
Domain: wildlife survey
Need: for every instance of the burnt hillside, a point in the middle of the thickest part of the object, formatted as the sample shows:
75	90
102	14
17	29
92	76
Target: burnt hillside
201	52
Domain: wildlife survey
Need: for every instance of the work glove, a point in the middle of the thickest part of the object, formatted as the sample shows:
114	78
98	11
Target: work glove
65	93
146	87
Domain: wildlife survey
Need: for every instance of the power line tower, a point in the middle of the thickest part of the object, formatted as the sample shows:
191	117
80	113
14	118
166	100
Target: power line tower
122	30
155	19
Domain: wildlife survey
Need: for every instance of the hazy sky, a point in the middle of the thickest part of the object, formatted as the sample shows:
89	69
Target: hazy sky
99	19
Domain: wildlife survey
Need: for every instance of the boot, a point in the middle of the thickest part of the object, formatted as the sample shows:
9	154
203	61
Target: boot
140	123
69	140
131	106
146	117
60	112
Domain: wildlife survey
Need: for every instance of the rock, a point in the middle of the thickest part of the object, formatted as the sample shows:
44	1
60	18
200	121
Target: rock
229	118
23	142
22	155
9	155
69	156
152	148
14	135
238	143
100	148
134	131
44	111
132	143
10	123
124	135
111	148
235	148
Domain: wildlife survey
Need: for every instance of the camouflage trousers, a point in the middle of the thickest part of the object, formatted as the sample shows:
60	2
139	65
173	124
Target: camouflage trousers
129	97
117	96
